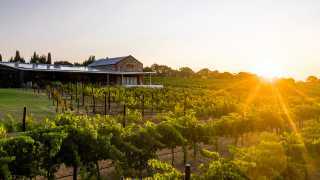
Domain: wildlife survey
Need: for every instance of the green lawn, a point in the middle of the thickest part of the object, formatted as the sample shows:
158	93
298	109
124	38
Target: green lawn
12	102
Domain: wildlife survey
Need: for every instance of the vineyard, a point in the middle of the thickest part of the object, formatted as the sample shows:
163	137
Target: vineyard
244	128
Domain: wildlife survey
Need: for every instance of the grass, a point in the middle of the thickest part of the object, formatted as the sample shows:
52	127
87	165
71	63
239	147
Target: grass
12	102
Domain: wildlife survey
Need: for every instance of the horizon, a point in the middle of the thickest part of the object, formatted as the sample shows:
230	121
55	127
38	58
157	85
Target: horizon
229	36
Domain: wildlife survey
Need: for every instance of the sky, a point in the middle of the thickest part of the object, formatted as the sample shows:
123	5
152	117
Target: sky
228	35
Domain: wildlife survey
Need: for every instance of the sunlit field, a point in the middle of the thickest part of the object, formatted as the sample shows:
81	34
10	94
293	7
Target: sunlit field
240	127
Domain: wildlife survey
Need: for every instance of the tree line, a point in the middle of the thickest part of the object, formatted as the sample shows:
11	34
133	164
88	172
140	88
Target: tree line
46	59
161	70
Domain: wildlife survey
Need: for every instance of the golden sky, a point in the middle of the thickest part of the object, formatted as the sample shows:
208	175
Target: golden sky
229	35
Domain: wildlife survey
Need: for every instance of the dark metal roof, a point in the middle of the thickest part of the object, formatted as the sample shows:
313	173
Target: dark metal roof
107	61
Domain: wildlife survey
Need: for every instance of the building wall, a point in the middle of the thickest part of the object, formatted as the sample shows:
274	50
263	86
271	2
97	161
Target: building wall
129	64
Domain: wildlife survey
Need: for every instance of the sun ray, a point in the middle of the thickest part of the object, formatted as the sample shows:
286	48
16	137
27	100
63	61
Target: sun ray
292	124
285	109
251	96
234	85
308	98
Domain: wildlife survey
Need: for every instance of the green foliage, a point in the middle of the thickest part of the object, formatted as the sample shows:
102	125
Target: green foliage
220	169
163	171
3	131
5	159
144	143
10	124
273	157
265	135
26	152
50	142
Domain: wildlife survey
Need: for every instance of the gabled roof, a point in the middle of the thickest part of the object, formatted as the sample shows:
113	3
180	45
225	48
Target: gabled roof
107	61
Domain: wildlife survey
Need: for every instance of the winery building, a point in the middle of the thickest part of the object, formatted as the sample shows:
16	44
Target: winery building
126	70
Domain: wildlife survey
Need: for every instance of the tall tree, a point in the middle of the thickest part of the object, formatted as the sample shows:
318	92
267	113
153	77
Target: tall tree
18	58
43	59
49	61
35	58
0	58
89	61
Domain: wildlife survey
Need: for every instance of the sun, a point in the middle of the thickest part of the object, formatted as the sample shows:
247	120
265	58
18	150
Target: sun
268	70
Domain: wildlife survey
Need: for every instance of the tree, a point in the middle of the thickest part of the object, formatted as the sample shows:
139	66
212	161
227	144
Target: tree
18	58
204	72
162	70
51	141
77	64
0	58
69	153
312	79
63	63
49	61
170	137
186	72
35	58
89	61
147	69
145	143
43	59
191	129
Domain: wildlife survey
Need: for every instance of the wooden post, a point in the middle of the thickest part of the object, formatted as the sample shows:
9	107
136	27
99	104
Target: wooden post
76	90
121	79
108	79
184	105
83	96
109	101
152	103
78	104
71	97
65	108
93	101
187	172
24	119
142	107
75	173
105	103
57	109
124	116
